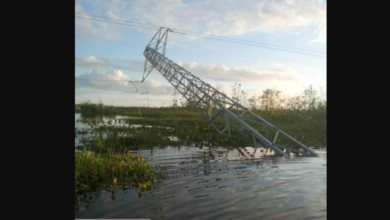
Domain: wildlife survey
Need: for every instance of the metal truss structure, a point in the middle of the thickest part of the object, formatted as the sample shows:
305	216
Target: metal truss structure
223	113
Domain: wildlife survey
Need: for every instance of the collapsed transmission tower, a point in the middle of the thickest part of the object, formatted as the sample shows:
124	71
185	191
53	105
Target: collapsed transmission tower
216	107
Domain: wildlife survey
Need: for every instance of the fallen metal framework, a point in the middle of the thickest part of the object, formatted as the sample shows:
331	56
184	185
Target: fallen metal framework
215	106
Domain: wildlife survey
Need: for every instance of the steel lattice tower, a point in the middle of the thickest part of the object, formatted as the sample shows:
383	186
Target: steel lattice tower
216	107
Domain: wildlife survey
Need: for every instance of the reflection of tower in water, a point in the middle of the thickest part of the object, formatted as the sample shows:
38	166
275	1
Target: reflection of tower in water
206	160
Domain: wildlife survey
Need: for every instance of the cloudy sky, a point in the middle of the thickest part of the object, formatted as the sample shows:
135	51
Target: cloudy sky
109	53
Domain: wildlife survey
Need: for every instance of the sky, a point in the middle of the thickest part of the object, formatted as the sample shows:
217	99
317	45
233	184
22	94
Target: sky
112	51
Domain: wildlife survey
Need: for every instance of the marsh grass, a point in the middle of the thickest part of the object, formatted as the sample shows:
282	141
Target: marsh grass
307	126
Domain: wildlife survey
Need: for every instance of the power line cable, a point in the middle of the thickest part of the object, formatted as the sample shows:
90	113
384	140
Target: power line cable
118	20
188	51
235	39
253	45
108	80
117	23
204	35
208	37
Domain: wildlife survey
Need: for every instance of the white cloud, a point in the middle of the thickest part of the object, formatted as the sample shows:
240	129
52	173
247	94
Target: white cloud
91	61
211	66
119	63
113	16
115	80
213	17
193	65
234	18
155	84
221	73
321	34
90	29
225	68
212	71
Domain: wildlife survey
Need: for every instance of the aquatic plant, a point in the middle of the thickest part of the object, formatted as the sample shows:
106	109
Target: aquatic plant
112	171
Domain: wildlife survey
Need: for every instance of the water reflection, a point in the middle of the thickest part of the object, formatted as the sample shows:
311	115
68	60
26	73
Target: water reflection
221	183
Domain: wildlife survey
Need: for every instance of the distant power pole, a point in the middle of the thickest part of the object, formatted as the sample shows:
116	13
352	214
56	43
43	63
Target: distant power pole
146	93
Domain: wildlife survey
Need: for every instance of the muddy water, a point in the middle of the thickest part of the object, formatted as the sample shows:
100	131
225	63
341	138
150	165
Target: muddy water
221	183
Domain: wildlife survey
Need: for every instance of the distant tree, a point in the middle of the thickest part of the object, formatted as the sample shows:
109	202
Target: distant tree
310	98
252	102
271	99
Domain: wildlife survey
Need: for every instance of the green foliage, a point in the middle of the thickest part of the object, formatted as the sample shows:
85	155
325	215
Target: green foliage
90	109
110	171
302	116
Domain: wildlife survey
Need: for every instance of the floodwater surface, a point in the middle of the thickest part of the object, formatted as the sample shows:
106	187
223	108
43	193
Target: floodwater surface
220	183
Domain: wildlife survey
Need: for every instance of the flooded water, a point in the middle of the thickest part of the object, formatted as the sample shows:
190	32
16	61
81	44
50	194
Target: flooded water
84	127
87	128
221	183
